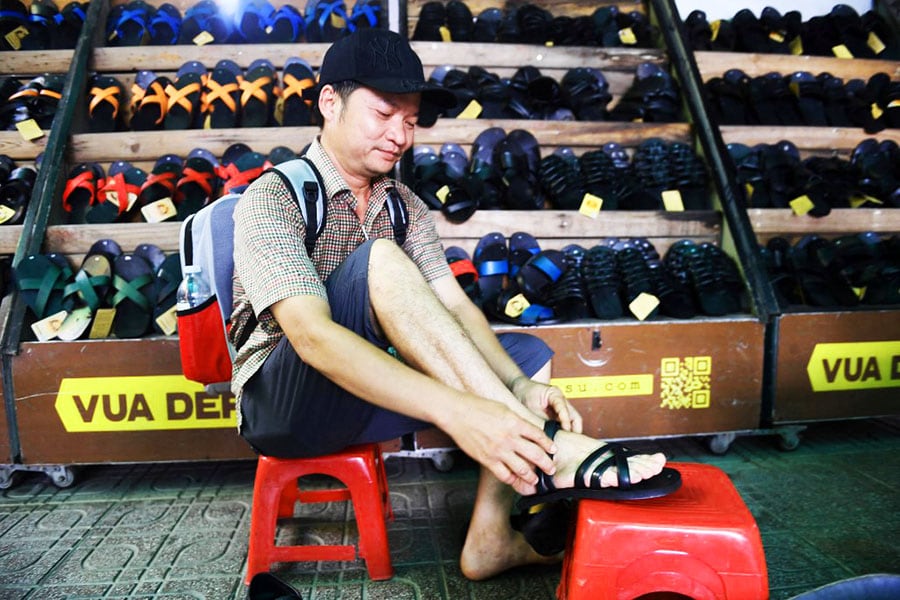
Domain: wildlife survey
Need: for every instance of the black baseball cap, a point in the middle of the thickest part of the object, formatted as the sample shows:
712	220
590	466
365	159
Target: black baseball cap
382	60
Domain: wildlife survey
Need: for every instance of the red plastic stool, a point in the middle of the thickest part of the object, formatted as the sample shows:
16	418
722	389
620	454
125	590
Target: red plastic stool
701	542
360	469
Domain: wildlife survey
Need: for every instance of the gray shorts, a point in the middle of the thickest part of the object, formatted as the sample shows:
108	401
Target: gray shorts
289	409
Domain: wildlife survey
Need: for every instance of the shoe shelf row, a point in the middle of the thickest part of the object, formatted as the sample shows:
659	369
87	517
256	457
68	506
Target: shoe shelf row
111	400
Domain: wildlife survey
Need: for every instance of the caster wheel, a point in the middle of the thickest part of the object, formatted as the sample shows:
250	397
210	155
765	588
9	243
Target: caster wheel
62	477
442	462
719	444
788	441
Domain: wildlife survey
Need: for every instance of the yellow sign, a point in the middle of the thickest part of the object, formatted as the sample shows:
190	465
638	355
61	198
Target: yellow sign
160	402
608	386
854	366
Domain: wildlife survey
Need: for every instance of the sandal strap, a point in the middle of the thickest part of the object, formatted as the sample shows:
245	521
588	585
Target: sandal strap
217	91
180	96
201	178
292	85
234	177
545	482
154	94
131	290
85	286
117	184
254	89
109	94
167	180
84	180
618	458
54	279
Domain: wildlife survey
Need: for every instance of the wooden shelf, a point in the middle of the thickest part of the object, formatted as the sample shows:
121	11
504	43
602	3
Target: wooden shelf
771	222
35	62
809	140
715	64
9	238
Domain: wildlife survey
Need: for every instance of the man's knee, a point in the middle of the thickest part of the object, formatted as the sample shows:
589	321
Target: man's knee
389	264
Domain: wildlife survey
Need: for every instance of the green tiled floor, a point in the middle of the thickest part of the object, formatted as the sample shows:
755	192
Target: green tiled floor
827	511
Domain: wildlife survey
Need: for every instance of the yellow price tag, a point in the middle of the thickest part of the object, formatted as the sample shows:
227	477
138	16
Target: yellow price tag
103	320
776	36
472	110
858	200
841	51
714	29
796	46
445	34
443	193
516	306
627	37
591	205
48	327
877	111
14	38
643	306
749	190
29	130
203	38
159	210
337	21
672	200
168	321
802	205
6	213
874	42
859	291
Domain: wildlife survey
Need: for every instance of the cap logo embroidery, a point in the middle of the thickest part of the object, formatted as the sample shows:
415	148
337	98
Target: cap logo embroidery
384	54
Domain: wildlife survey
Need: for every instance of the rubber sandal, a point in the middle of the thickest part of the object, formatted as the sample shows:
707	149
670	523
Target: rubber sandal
810	98
15	195
251	19
293	110
13	25
221	95
325	21
107	247
561	180
89	289
545	526
487	25
69	23
569	296
149	102
518	158
482	166
201	20
127	24
258	94
185	95
280	154
365	14
161	182
42	24
285	26
80	192
603	281
522	246
539	273
586	92
168	277
198	184
464	271
134	282
269	586
105	96
491	258
240	166
666	482
151	253
118	196
42	279
164	26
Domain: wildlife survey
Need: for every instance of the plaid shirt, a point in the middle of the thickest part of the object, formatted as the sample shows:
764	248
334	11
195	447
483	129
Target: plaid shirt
270	258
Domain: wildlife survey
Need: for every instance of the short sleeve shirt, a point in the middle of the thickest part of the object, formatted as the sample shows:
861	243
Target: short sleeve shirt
270	258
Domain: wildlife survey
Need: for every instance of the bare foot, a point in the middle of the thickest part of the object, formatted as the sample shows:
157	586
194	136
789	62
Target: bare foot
574	448
490	551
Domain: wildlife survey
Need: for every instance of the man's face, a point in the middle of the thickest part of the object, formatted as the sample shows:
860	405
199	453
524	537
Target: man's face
371	130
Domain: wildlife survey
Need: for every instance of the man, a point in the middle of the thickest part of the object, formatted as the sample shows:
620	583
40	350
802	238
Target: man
320	371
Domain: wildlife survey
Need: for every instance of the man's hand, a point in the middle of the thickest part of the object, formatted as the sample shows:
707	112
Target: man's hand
506	444
548	402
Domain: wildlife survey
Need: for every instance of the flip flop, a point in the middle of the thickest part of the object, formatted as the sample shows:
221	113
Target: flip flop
285	26
204	18
666	482
149	102
68	25
325	21
15	195
280	154
522	246
127	24
294	110
539	273
491	258
161	182
118	195
13	25
240	166
251	19
151	253
185	95
90	286
168	277
164	26
463	270
105	97
221	95
80	192
42	280
258	94
198	184
134	282
365	14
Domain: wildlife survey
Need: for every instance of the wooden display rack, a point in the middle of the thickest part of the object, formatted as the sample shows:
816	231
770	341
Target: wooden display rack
826	364
80	413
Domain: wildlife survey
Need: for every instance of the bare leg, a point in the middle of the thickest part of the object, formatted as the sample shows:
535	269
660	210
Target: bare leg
431	340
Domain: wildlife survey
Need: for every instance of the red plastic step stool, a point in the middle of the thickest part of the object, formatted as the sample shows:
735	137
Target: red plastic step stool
275	491
700	541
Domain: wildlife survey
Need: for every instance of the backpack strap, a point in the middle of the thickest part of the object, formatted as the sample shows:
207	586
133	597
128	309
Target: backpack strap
399	215
305	184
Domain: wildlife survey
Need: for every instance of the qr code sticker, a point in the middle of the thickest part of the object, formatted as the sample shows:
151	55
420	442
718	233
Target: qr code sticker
685	382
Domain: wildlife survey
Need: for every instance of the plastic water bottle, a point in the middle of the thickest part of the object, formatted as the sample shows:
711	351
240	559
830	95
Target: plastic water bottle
193	289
